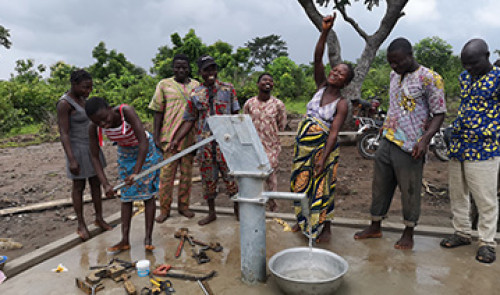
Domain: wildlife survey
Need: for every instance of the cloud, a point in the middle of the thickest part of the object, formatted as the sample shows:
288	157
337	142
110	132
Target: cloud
488	14
422	11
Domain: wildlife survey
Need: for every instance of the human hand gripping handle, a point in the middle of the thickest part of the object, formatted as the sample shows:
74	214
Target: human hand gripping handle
327	23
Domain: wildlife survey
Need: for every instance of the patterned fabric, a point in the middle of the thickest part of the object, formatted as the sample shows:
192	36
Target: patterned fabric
412	100
326	113
475	135
205	102
310	142
211	165
123	135
269	117
170	99
167	177
144	188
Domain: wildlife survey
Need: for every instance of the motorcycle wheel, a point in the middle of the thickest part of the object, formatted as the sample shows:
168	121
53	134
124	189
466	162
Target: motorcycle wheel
440	150
368	144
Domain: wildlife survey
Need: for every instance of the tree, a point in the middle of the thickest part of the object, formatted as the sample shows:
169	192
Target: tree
393	12
264	50
191	45
434	53
112	63
4	37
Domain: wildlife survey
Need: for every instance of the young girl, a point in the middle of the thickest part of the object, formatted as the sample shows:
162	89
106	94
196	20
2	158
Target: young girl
73	125
136	152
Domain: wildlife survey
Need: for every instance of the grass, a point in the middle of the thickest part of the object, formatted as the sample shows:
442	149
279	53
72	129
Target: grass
296	107
25	136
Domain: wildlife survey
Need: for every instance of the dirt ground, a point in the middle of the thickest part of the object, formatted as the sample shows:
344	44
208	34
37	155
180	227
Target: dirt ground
37	174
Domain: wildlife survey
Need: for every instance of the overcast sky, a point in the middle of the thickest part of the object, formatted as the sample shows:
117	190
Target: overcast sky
52	30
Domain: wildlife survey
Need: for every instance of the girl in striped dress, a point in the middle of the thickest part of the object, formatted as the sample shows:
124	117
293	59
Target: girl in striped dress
136	152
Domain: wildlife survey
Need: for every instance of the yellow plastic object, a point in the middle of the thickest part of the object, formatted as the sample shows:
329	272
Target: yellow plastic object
286	226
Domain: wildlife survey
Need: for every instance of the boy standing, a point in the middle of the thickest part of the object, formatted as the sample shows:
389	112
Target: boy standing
269	117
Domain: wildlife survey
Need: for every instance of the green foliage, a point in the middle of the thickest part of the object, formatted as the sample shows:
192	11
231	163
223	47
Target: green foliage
290	82
5	37
264	50
434	53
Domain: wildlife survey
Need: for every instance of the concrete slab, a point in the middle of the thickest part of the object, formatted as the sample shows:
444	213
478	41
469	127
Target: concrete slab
375	266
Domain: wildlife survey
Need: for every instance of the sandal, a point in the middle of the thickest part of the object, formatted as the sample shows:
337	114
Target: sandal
117	249
149	248
486	254
455	241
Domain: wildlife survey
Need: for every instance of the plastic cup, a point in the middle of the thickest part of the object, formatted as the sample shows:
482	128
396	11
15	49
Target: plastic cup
142	267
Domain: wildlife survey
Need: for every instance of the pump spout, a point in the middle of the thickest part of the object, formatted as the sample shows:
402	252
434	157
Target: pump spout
304	202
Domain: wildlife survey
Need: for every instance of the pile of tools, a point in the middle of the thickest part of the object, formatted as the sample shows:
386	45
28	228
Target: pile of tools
200	255
119	270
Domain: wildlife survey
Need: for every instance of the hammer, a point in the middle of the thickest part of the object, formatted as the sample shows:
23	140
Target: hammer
180	234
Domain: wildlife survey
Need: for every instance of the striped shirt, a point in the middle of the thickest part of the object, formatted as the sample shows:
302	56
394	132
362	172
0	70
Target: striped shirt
124	134
170	99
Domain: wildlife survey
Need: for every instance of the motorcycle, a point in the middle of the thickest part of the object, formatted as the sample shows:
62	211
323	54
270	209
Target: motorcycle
438	144
370	109
369	136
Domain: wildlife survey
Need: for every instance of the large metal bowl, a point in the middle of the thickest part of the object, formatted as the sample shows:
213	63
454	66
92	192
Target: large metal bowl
304	271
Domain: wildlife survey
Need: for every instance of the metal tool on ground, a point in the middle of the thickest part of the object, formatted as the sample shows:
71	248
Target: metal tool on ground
205	288
184	273
180	234
88	288
158	287
214	246
200	256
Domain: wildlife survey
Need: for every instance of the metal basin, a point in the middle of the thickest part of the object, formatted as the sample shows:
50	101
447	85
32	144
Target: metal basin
302	271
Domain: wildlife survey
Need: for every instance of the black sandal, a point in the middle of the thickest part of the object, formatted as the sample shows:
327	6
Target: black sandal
455	241
486	254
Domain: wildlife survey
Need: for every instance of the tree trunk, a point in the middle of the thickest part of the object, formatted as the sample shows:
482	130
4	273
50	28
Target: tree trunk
372	42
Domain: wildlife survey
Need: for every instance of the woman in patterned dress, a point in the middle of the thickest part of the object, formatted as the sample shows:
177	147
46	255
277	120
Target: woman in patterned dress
136	152
316	152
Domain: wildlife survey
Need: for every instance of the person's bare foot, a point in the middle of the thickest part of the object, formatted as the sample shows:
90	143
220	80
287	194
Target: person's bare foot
325	235
210	218
102	224
187	213
368	233
406	240
83	232
162	217
273	207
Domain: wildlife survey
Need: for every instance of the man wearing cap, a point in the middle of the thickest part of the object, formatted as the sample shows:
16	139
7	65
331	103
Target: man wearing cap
212	98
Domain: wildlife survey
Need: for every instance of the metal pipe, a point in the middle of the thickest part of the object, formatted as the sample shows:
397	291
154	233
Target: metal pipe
304	201
252	230
168	161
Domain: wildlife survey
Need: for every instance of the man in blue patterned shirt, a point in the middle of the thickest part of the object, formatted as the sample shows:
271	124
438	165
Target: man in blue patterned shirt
475	150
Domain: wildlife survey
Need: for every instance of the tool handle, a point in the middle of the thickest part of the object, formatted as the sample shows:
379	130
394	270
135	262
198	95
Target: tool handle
179	248
168	161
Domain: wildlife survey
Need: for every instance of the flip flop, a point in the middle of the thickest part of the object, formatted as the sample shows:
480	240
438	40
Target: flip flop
454	241
486	254
117	249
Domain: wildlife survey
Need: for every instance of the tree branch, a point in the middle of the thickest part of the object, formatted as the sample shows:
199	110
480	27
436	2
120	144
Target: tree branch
354	24
334	55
